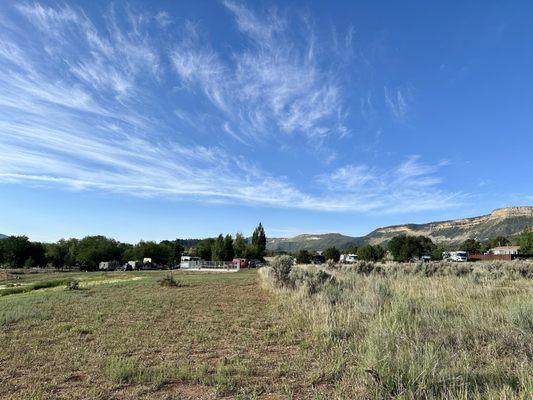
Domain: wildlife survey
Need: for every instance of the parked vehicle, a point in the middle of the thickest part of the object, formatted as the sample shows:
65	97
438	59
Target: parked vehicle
240	262
255	263
109	265
348	258
318	259
131	265
458	256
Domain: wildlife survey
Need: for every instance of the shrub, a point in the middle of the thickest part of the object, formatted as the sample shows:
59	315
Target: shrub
73	285
332	253
281	269
303	257
169	281
312	280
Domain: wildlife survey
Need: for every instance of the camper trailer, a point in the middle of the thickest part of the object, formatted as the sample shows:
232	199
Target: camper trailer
108	265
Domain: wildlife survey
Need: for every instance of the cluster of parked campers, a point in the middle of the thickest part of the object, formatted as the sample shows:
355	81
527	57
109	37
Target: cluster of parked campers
191	262
186	262
457	256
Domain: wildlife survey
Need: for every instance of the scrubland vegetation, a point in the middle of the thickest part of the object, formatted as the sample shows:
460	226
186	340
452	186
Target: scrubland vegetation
365	330
413	331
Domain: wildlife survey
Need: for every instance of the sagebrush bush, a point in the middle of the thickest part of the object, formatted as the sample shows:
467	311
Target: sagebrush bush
516	269
436	330
73	285
169	281
281	269
313	280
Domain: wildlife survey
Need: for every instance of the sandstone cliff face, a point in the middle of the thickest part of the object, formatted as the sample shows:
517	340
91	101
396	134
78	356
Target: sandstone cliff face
524	211
502	221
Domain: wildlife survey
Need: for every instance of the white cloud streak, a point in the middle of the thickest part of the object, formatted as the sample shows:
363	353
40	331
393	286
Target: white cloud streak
77	111
278	82
397	102
409	186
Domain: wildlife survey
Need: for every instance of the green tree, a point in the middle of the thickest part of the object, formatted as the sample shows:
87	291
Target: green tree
494	242
253	252
472	246
62	253
160	253
352	249
404	248
239	245
175	249
131	254
91	250
525	241
303	257
259	239
499	241
219	251
204	249
436	253
370	253
332	253
15	250
228	248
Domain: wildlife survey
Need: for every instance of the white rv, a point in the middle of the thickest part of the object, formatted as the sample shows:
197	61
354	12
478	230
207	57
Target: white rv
348	258
458	256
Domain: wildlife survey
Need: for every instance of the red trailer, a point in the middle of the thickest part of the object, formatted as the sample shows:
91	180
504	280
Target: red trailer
240	262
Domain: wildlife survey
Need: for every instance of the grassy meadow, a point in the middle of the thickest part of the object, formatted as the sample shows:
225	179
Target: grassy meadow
426	331
362	331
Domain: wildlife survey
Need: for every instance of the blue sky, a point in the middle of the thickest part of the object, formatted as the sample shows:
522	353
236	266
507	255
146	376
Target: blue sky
158	120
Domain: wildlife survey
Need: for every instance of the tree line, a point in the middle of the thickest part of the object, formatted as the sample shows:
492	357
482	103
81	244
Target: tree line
19	251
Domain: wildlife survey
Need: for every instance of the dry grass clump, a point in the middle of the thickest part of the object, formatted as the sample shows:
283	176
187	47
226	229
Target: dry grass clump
516	269
170	281
416	331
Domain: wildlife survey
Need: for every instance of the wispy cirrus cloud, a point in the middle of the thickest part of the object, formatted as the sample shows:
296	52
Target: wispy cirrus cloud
278	82
411	185
80	108
396	100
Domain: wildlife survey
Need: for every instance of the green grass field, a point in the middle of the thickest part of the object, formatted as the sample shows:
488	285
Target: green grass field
124	336
234	335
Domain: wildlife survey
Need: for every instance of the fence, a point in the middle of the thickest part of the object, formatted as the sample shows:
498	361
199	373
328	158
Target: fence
492	257
210	265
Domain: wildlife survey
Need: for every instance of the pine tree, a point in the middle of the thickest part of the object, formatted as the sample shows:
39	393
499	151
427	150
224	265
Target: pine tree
219	252
239	245
259	238
228	248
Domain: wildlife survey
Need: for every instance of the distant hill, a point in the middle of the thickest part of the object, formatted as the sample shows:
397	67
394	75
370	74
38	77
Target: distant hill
2	236
312	242
503	221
